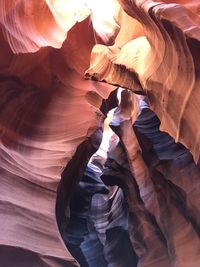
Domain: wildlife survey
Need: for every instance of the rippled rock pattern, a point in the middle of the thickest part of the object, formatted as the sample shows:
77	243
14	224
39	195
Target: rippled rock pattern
50	114
158	199
156	51
98	224
47	111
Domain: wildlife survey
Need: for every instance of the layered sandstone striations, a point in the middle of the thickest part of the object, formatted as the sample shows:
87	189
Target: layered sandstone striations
50	114
156	51
47	111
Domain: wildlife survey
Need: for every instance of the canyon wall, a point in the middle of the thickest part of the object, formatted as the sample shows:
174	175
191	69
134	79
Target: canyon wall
58	62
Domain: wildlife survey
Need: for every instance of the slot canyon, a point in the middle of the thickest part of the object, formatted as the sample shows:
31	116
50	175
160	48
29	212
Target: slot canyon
100	143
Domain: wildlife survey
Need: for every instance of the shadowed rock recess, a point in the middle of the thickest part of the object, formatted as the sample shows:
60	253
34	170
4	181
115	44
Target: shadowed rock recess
100	133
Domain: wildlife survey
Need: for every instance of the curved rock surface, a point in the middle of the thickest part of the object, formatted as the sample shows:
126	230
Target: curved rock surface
48	113
158	55
47	110
160	204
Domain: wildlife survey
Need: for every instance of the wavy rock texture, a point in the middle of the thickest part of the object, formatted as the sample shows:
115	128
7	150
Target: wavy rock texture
159	200
45	114
156	50
160	182
98	224
49	117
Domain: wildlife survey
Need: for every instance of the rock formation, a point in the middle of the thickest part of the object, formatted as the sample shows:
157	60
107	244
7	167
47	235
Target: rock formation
61	62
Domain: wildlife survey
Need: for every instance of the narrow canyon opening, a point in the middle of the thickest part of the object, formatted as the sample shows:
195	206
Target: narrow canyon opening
122	205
